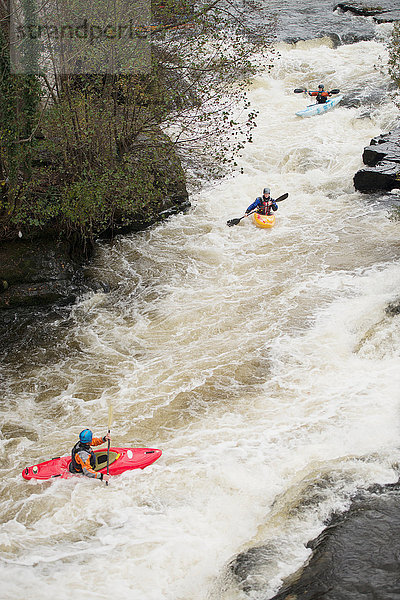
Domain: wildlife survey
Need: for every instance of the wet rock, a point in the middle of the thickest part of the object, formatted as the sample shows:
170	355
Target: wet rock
382	158
393	308
39	294
358	8
32	261
383	177
382	12
250	568
388	17
356	557
38	272
385	146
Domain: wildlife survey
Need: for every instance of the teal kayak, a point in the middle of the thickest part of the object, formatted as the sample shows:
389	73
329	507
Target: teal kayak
319	109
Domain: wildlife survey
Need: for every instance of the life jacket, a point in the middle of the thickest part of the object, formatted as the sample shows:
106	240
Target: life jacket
74	466
263	208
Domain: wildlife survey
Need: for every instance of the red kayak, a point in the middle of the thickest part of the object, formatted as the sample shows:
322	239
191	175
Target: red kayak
121	459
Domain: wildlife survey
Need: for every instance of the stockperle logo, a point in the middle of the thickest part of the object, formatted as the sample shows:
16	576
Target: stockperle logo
85	31
71	38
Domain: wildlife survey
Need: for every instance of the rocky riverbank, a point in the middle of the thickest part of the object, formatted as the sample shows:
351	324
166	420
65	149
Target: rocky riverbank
357	556
381	12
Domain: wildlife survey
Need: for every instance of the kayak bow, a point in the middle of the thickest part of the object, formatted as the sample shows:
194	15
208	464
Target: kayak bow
263	221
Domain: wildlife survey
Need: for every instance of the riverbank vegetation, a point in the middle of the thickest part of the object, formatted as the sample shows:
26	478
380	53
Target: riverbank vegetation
84	154
394	55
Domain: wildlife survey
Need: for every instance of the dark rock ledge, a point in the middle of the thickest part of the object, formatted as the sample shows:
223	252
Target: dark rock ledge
357	557
38	273
383	11
382	158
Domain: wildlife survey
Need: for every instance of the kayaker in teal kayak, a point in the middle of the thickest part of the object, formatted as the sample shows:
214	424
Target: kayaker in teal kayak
83	459
263	204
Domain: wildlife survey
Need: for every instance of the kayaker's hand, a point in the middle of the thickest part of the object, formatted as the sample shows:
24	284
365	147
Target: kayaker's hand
106	477
107	436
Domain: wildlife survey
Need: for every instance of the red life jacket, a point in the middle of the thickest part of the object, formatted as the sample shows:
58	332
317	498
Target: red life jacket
264	208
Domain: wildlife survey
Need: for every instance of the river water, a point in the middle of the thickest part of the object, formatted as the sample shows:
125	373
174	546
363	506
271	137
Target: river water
261	362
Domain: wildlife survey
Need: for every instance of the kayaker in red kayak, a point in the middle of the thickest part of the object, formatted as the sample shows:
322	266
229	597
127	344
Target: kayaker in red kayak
321	95
83	459
263	204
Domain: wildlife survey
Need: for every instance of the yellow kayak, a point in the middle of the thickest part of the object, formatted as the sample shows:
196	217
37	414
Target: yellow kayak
264	221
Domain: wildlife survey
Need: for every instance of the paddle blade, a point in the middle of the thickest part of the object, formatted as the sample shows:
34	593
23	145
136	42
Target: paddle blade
299	90
283	197
334	91
232	222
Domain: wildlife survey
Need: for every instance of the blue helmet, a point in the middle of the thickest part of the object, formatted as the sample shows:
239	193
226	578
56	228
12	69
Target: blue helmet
86	436
266	191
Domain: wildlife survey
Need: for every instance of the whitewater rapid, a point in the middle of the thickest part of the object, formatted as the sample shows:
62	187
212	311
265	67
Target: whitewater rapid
262	363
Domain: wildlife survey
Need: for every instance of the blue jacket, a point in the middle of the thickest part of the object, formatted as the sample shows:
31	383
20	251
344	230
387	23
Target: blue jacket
259	202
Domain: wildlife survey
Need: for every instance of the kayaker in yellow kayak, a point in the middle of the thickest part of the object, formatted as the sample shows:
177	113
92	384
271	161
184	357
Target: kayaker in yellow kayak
83	458
264	204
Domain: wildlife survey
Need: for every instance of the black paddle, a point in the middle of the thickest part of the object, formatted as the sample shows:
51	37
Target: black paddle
301	90
236	221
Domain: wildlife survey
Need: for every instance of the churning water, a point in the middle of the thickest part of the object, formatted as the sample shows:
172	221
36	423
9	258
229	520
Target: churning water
261	362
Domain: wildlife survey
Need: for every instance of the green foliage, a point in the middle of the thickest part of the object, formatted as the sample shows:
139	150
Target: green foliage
394	55
20	96
95	202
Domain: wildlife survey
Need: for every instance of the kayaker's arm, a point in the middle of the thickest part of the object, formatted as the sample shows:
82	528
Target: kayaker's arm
89	472
99	441
274	205
87	468
253	206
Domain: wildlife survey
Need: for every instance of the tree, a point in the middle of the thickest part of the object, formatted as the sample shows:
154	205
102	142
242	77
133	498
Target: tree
106	108
394	55
20	98
206	61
